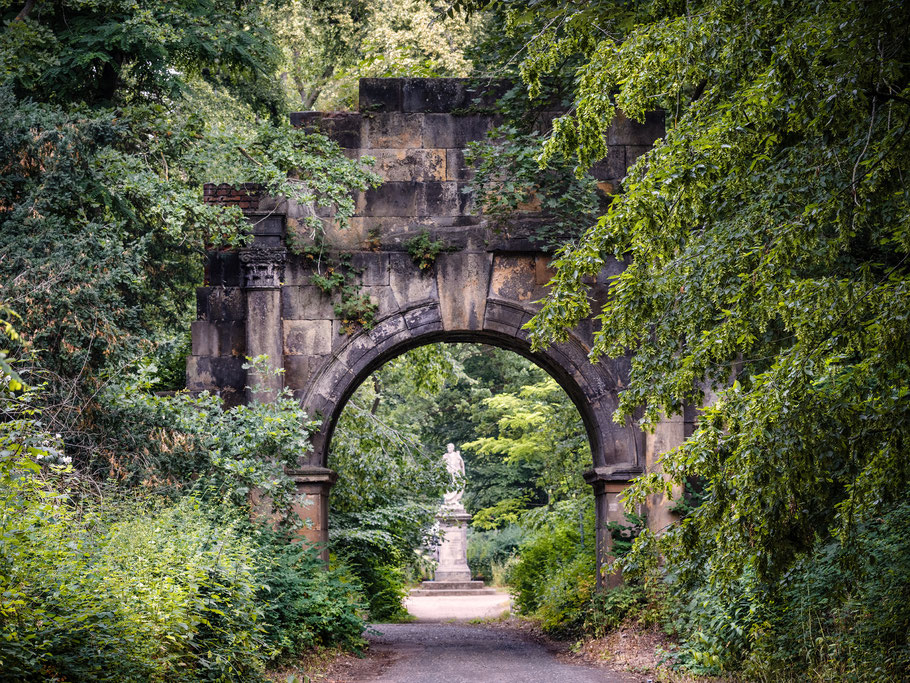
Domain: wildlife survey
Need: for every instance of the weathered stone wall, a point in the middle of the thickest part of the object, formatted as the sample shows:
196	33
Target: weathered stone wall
483	290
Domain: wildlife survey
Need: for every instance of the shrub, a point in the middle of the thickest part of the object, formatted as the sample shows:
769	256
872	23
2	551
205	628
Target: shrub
493	548
304	604
378	546
182	443
553	576
843	610
156	594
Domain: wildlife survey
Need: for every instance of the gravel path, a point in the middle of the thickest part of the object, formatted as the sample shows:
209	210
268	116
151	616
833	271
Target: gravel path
460	653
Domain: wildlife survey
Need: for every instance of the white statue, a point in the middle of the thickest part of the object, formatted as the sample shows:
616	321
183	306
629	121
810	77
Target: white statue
455	466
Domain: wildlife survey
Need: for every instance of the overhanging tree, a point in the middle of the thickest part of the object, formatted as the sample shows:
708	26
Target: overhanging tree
767	240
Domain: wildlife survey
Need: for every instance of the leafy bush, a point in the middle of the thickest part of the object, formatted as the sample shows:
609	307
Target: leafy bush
304	604
180	443
493	548
136	590
844	609
97	585
554	575
156	594
378	546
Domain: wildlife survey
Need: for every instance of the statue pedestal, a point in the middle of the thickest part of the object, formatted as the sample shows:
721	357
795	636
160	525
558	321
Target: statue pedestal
453	552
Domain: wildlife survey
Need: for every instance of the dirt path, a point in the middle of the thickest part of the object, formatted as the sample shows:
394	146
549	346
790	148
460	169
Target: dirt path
463	653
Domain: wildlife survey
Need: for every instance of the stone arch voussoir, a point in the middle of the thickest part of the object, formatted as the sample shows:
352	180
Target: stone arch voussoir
592	387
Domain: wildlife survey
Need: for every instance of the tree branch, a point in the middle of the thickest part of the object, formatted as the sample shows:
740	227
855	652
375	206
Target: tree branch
25	11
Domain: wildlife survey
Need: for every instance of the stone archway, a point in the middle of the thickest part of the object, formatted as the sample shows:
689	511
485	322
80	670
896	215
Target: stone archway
261	300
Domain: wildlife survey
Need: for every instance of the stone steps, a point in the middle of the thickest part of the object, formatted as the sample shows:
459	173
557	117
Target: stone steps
420	592
452	588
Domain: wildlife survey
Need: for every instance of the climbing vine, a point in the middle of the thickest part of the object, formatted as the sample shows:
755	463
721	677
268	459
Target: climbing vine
336	276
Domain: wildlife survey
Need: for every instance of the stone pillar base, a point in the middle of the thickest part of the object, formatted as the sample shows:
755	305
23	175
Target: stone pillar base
314	482
453	552
608	484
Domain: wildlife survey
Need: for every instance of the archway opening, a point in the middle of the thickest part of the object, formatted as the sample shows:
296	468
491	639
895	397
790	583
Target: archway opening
525	447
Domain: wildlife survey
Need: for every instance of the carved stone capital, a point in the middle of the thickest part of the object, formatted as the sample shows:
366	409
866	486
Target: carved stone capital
263	268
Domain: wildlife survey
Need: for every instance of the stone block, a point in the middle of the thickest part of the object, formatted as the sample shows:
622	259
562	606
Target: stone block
222	269
409	164
374	267
430	329
379	94
266	225
198	374
383	298
342	127
613	166
296	371
202	302
387	328
228	372
307	337
504	314
514	278
349	238
409	283
297	272
395	342
501	328
436	95
205	338
390	199
226	304
352	349
421	316
625	131
462	280
365	364
449	94
339	336
445	130
393	131
318	405
543	272
232	339
444	199
456	166
306	302
334	379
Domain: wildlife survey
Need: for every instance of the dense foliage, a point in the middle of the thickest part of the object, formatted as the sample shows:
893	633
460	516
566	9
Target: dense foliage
767	242
127	550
